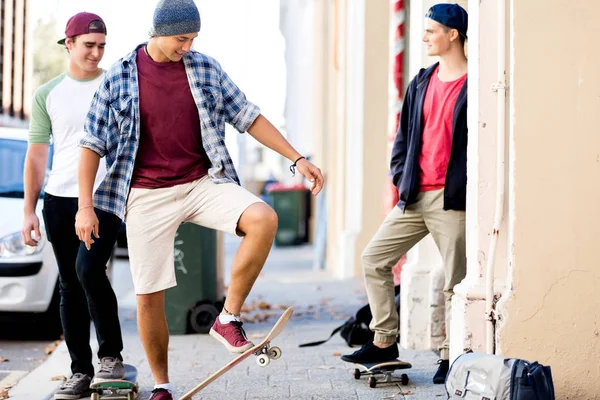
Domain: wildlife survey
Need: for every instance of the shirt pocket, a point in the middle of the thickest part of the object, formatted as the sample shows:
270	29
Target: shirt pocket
122	110
213	101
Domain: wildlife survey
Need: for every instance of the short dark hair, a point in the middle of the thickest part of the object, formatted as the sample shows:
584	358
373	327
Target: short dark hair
460	37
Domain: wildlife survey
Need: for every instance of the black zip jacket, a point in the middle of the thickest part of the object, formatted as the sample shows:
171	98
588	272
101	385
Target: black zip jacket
407	146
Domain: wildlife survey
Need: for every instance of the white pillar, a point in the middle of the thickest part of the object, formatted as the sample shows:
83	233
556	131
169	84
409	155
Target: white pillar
468	305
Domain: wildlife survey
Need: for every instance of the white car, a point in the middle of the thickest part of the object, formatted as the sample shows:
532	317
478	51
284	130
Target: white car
28	275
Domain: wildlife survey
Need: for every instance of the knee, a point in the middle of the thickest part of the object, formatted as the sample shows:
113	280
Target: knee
259	218
86	271
151	302
368	258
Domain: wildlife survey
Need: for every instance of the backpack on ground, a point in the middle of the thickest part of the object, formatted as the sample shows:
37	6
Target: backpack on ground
474	376
355	331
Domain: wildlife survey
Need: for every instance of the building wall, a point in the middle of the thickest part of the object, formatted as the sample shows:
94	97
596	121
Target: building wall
357	78
15	65
551	313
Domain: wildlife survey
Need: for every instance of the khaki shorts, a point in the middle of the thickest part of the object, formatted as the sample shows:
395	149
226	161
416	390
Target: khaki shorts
154	215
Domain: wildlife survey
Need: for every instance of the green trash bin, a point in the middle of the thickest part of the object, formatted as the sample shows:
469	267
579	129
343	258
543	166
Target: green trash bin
193	305
291	203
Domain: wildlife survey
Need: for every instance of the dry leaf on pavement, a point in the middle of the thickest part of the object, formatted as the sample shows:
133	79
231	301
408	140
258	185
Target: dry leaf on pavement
337	354
257	335
59	378
401	393
51	347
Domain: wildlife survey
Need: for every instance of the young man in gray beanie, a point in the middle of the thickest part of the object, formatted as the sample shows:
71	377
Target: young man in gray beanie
159	119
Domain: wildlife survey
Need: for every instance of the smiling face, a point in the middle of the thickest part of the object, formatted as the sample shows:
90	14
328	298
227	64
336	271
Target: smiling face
438	38
85	52
172	48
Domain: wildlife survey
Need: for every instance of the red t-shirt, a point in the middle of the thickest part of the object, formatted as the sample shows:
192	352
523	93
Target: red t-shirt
438	112
170	151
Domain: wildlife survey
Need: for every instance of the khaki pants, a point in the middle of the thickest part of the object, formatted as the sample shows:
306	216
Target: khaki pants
395	237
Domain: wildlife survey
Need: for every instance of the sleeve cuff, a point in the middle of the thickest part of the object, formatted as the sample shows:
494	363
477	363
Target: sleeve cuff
246	117
92	143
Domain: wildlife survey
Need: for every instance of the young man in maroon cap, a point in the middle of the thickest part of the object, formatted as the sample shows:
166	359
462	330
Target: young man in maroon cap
58	113
429	167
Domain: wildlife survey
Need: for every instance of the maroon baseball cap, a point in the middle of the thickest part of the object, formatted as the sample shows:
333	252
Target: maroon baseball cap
82	23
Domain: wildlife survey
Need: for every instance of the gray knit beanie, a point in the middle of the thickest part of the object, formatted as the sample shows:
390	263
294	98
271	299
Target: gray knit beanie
175	17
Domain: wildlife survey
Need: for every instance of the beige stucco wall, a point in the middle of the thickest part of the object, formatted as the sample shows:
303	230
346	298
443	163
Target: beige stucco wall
356	75
375	121
552	314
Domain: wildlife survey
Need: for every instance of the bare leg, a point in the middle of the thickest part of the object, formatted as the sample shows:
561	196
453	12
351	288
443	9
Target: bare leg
154	333
259	225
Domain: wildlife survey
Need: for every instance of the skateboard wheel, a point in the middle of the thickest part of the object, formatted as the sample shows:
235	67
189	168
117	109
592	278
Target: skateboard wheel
95	396
372	382
404	379
263	360
356	373
274	353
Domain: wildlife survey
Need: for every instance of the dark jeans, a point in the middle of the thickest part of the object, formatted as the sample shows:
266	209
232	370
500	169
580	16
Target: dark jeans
85	290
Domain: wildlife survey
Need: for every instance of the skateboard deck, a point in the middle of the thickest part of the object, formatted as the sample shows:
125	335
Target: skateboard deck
385	370
118	389
263	350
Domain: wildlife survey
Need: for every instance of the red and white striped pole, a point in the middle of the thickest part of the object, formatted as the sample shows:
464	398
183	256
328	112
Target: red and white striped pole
391	195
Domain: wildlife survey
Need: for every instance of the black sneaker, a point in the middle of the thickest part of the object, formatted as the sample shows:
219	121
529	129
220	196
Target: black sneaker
75	387
442	371
370	353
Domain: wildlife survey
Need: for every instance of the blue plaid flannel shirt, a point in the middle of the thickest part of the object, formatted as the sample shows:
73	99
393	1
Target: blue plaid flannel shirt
112	127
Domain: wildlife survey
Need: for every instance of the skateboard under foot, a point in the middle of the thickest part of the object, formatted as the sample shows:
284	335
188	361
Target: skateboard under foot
119	389
382	372
263	350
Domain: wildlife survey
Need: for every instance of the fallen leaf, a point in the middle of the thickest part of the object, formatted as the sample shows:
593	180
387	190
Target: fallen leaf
401	393
257	336
337	354
51	347
59	378
264	306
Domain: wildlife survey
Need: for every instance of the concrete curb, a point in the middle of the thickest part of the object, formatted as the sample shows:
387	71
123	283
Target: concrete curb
38	384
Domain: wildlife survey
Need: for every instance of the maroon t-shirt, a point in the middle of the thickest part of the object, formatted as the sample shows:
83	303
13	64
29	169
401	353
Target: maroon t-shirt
170	151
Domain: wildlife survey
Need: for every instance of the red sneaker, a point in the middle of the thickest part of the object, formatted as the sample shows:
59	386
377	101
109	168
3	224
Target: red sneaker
232	335
161	394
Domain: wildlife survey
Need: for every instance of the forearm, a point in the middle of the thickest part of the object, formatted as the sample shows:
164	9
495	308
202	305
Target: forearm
88	168
265	133
34	174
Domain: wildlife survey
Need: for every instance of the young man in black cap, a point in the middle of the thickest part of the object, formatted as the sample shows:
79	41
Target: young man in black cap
58	112
429	168
159	119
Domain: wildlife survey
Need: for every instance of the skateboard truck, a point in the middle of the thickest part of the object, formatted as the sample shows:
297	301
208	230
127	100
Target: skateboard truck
387	377
267	353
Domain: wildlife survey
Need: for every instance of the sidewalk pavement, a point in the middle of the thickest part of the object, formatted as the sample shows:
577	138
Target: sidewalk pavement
321	303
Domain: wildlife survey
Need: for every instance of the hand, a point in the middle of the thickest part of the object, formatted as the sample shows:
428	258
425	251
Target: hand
86	223
312	173
31	223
